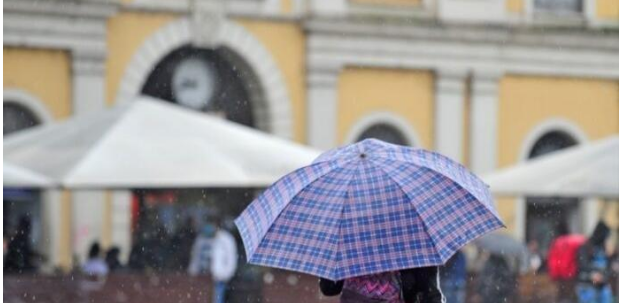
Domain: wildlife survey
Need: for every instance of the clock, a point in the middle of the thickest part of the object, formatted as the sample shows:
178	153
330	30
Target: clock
193	83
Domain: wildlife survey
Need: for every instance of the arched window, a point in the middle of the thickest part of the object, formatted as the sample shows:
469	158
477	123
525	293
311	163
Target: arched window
203	80
17	117
385	133
547	218
559	6
21	205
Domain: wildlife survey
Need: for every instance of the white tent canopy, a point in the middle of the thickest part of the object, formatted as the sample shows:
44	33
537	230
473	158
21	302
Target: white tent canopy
589	170
15	176
150	143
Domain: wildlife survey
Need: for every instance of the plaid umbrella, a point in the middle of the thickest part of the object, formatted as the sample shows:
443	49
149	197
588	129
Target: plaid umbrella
366	208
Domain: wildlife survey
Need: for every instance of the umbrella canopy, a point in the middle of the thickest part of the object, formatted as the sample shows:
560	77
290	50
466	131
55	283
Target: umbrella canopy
149	143
590	170
15	176
367	208
505	245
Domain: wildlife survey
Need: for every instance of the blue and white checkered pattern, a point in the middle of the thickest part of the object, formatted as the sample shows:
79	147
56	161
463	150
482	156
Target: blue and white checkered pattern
366	208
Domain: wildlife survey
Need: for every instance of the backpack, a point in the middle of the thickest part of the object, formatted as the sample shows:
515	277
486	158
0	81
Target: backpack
563	257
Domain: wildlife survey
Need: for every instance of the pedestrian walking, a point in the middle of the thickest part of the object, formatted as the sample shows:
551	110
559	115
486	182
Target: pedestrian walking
497	281
20	255
224	263
95	265
453	278
368	215
201	251
593	268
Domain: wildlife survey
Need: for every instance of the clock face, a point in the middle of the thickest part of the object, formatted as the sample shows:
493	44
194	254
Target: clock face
193	83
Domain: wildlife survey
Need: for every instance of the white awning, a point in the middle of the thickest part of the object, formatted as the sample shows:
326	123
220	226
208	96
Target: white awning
589	170
15	176
150	143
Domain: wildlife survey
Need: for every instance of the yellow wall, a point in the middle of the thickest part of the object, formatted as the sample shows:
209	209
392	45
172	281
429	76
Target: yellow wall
126	33
526	102
407	93
607	9
286	6
286	43
43	73
515	6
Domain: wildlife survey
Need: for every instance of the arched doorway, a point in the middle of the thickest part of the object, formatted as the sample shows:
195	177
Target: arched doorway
206	80
214	81
549	217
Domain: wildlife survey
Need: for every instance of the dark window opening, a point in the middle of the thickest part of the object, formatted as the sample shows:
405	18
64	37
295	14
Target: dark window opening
17	117
548	218
203	80
385	133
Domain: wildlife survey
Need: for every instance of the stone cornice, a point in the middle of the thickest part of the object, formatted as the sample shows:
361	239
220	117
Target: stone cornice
430	45
81	8
572	37
76	26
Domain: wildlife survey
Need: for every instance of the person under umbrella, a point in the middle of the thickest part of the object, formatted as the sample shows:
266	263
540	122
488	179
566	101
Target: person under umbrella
367	216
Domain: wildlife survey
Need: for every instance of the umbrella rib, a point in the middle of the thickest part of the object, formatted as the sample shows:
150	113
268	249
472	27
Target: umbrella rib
339	243
425	226
438	172
293	197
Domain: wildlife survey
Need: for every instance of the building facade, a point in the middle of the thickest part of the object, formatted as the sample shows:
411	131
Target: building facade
489	83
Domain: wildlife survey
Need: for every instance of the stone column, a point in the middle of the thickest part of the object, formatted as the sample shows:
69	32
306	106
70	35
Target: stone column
484	121
88	207
449	114
322	107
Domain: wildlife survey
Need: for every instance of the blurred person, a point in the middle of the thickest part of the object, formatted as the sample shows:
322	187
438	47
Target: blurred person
535	258
593	268
150	250
497	281
181	242
201	251
224	259
20	255
453	278
137	255
112	259
95	265
614	269
563	265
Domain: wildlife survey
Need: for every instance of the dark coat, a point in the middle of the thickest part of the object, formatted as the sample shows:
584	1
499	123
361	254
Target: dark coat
419	285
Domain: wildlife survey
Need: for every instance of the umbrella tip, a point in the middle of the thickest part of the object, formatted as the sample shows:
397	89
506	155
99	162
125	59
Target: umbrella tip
362	155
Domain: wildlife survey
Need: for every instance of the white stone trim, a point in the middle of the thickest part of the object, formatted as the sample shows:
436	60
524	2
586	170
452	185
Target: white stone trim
477	11
565	53
278	117
588	206
30	102
449	112
322	114
263	9
377	10
384	117
75	26
484	120
121	222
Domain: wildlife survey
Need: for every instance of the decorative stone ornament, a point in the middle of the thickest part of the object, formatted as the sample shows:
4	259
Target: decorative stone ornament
207	17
